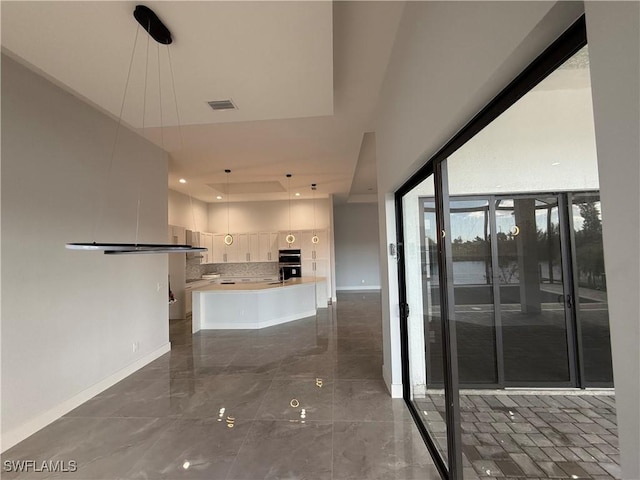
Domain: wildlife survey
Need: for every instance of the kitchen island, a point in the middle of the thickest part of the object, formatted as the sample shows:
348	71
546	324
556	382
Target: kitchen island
256	305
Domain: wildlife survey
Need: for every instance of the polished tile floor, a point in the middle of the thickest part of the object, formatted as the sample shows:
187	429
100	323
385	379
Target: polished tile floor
304	401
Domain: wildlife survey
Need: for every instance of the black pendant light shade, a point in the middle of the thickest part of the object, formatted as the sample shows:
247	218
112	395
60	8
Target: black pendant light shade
152	24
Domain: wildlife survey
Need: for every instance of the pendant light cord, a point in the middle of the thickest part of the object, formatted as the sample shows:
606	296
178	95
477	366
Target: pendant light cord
175	101
160	95
98	220
193	212
175	98
228	195
289	188
313	200
144	114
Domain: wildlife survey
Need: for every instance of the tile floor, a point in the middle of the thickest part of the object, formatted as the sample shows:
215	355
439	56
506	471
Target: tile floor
532	436
304	400
540	436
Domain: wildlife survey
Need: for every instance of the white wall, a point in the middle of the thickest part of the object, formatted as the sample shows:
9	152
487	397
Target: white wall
188	212
613	30
448	61
357	246
268	216
69	318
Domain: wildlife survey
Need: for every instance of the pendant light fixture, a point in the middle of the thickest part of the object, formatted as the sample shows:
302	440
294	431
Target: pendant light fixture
161	34
291	238
228	238
315	238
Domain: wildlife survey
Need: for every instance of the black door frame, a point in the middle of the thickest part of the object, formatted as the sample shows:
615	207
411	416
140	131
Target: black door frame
572	40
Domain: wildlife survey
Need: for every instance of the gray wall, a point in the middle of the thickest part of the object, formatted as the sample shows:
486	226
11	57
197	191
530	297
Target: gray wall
357	246
69	318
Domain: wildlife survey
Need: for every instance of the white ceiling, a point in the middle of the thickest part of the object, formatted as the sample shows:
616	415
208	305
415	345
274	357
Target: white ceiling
304	75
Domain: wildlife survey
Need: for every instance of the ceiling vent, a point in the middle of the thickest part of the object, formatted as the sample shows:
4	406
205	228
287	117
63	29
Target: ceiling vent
222	105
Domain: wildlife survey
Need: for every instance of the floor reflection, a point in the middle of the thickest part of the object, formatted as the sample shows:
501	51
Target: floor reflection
221	405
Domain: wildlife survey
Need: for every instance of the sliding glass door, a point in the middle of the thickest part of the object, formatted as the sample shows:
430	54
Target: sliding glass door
423	317
590	282
501	268
535	304
528	290
473	290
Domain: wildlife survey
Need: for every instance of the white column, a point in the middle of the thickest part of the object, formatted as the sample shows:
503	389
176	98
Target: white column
613	30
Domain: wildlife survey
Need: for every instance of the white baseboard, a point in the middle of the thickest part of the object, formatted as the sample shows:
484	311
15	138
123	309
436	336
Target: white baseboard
18	434
395	389
358	288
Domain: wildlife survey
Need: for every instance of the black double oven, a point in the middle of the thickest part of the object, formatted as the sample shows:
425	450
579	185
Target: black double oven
290	263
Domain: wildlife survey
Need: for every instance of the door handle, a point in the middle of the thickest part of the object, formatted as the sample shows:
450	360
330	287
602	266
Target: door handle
566	299
404	310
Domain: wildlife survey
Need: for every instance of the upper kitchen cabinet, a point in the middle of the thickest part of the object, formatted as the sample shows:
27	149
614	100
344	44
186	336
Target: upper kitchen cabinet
282	240
192	238
313	251
177	235
218	249
248	247
206	241
268	247
223	253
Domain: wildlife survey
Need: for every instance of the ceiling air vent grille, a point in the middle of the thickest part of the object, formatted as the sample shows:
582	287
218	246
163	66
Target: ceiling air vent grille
222	105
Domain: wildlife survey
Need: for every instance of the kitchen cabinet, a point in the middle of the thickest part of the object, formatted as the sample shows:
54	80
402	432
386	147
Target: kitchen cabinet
177	235
218	249
268	247
248	247
282	240
312	268
231	251
223	253
318	268
314	251
321	249
192	238
206	241
177	273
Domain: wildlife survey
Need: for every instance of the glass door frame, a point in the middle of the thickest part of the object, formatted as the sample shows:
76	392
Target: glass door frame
580	352
572	40
452	469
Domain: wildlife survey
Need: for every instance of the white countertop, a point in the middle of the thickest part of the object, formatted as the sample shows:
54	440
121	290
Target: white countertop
225	287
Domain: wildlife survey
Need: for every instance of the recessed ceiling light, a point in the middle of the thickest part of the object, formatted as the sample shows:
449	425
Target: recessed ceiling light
182	180
555	164
219	197
297	194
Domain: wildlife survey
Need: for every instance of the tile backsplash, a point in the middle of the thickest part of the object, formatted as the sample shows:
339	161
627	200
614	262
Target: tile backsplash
254	269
